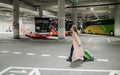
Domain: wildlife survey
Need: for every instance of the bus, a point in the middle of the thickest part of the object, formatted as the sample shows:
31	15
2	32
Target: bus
36	27
68	25
103	26
54	27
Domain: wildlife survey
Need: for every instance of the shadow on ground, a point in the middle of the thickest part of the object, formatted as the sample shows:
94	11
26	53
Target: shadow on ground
77	63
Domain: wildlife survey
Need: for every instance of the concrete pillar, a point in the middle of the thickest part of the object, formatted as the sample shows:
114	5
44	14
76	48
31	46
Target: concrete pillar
16	19
40	11
117	20
61	19
74	11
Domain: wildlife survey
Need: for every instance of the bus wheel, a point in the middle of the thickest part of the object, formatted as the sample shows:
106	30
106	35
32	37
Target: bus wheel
111	33
90	32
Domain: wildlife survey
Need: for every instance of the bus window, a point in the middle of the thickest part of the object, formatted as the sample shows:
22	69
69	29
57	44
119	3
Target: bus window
68	25
107	22
42	24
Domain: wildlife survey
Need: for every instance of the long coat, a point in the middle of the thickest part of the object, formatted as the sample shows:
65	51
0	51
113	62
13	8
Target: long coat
78	50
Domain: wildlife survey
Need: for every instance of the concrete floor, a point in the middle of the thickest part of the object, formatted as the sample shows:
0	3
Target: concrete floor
48	57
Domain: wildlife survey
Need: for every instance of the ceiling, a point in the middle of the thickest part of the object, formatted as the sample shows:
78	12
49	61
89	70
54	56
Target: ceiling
84	7
52	5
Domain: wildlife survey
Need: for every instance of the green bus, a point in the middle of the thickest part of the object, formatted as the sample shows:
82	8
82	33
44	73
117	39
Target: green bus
102	26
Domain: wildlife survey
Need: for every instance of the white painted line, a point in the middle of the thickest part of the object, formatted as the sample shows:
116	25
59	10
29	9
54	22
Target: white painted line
7	41
30	54
108	40
103	60
5	51
34	71
45	55
90	39
114	73
63	57
16	52
12	74
73	70
118	73
7	69
23	71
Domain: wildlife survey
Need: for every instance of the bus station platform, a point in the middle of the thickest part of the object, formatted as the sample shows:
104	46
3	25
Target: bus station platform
27	56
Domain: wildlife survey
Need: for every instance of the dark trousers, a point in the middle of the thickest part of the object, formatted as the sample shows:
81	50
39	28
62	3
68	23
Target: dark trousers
71	52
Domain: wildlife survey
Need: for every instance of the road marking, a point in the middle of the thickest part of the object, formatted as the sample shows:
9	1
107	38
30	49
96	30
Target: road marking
108	40
119	73
90	39
103	60
5	51
114	73
16	52
60	69
35	71
12	74
45	55
63	57
7	41
23	71
7	69
30	54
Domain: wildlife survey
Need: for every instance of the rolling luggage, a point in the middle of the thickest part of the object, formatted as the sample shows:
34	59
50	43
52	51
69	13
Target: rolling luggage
89	55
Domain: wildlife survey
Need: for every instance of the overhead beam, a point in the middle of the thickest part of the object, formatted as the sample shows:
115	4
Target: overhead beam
97	5
4	3
27	6
28	2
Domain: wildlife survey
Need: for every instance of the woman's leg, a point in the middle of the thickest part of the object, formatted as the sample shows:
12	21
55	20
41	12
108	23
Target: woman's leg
84	58
71	53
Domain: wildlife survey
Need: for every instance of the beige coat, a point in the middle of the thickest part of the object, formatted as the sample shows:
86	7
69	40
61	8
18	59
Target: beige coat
78	50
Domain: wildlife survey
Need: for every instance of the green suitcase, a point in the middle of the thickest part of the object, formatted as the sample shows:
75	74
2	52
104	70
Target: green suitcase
88	55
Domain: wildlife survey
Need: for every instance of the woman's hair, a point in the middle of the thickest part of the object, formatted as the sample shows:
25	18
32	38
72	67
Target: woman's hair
75	28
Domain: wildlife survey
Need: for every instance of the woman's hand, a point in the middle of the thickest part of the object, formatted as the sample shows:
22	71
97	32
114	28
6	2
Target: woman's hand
79	45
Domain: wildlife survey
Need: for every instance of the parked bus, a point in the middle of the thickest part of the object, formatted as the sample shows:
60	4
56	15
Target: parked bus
105	26
36	27
68	25
54	27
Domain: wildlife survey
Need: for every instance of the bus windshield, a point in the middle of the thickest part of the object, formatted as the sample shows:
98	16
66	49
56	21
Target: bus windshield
42	24
68	25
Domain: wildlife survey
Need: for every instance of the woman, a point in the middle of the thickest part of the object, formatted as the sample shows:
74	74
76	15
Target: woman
76	46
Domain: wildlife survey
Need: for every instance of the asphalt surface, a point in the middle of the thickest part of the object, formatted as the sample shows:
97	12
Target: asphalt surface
28	56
